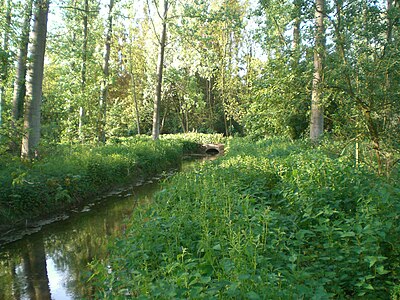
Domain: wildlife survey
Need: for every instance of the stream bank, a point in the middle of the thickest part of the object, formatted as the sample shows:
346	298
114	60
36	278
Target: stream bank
51	260
69	175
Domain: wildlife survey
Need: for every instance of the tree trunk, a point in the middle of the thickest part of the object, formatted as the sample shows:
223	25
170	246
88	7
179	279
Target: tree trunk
31	138
296	33
317	113
19	82
83	71
133	85
105	83
389	22
5	59
160	67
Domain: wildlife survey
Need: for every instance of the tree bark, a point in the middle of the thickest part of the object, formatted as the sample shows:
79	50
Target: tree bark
105	83
296	33
19	82
31	138
136	102
5	59
133	86
83	70
317	112
296	25
160	67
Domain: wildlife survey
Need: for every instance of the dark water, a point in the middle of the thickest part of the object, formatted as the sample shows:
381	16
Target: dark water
50	261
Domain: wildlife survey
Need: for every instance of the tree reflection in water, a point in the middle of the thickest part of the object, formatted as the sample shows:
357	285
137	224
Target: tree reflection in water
53	262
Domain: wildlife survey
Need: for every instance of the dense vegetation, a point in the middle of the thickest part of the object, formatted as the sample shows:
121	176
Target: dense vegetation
229	66
314	214
271	220
72	174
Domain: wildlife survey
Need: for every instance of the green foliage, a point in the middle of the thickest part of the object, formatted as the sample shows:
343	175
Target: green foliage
73	173
273	219
280	103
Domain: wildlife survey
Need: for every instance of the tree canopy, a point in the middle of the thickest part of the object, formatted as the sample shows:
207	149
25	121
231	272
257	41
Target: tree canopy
229	66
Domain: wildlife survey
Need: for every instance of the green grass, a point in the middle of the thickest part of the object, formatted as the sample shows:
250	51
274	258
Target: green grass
67	175
272	219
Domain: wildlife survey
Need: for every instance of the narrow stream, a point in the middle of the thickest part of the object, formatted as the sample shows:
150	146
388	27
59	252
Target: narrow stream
50	262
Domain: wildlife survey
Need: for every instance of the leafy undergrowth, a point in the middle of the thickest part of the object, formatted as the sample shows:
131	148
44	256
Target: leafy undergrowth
69	174
270	220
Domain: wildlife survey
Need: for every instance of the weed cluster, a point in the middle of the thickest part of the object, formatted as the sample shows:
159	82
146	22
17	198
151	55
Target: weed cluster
270	220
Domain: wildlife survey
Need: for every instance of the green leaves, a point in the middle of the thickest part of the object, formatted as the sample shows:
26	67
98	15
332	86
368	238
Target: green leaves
270	219
73	173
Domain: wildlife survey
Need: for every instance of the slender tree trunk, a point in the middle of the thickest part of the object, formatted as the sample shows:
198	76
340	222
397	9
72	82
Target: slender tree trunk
209	86
389	21
83	71
133	85
249	79
31	138
317	112
5	59
223	83
296	33
105	83
160	67
19	82
223	100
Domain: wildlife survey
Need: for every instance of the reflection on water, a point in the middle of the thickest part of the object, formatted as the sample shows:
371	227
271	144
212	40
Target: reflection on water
51	263
54	260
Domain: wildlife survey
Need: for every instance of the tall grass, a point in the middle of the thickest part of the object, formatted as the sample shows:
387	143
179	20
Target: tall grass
271	220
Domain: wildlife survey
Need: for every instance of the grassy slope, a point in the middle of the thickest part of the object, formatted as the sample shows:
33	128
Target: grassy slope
271	220
67	175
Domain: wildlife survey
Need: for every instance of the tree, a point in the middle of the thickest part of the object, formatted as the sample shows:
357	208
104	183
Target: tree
106	73
19	81
83	68
4	57
279	102
317	112
32	123
366	52
160	68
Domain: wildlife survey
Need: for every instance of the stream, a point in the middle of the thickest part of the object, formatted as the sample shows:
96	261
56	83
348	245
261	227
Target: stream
49	260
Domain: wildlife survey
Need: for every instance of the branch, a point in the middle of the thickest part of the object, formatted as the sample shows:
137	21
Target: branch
152	23
79	9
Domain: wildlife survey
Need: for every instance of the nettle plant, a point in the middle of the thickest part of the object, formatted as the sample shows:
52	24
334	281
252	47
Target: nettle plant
271	219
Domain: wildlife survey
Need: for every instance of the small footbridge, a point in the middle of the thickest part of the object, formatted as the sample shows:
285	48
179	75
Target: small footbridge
213	149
